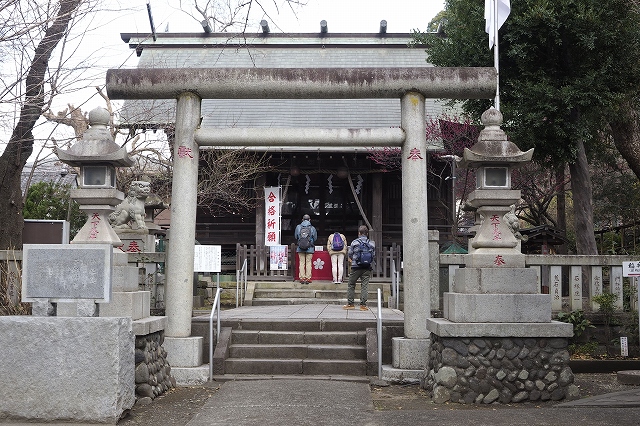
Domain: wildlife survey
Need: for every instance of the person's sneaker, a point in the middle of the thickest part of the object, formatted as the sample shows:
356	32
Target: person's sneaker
364	308
308	282
348	307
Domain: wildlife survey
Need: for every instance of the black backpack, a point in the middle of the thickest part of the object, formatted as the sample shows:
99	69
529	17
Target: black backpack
363	254
304	242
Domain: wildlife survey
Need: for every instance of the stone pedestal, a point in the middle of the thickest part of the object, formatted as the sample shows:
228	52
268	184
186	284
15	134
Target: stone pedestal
55	369
185	356
97	203
136	240
507	363
410	354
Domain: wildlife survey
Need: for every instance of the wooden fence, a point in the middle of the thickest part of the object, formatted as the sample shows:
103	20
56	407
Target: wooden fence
258	263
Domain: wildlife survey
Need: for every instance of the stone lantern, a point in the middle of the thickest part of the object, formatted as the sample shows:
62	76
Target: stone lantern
494	158
97	156
495	321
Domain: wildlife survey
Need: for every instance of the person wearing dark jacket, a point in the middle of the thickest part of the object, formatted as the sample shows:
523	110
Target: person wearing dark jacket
305	255
358	270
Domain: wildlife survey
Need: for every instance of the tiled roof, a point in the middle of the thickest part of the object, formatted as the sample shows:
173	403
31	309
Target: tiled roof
278	51
48	172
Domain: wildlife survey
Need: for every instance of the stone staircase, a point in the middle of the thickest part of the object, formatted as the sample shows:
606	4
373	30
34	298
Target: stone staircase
293	348
323	292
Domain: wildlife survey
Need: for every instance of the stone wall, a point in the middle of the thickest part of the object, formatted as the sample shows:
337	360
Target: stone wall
507	370
153	372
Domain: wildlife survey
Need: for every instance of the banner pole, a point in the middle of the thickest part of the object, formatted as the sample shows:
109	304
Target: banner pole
495	54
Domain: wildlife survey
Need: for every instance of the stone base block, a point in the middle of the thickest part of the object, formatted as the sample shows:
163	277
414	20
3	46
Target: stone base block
43	308
149	325
79	308
125	277
136	240
496	280
198	301
498	308
486	370
89	362
190	376
184	351
134	304
410	354
399	375
445	328
498	257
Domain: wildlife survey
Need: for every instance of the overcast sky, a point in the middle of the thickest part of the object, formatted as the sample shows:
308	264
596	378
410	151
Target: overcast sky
105	49
342	16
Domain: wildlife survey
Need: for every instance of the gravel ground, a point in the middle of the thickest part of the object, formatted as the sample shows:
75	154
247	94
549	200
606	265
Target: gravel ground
179	405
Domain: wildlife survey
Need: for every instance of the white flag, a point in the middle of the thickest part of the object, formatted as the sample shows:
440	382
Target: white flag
504	8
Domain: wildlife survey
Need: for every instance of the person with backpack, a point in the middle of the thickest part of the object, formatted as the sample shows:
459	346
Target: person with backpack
337	247
361	253
306	235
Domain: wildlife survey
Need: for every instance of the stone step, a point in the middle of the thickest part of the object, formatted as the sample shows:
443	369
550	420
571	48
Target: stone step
300	293
334	293
298	337
280	351
316	285
334	377
372	303
305	324
286	366
265	293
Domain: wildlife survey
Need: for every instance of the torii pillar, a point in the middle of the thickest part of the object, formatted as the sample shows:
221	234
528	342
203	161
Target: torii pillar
411	85
412	351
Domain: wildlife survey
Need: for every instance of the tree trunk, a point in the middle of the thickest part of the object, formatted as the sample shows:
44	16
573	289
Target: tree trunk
582	203
625	129
20	143
561	208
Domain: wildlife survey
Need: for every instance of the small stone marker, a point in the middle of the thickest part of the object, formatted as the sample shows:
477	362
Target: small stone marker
67	272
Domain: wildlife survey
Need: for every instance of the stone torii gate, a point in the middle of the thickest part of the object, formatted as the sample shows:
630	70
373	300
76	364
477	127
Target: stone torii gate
189	86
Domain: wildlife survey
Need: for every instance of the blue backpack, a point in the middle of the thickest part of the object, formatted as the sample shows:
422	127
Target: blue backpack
337	244
363	254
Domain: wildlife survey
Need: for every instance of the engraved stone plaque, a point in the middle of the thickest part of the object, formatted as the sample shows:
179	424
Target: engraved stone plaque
67	272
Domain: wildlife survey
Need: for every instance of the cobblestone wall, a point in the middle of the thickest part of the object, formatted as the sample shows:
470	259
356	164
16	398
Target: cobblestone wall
153	372
505	370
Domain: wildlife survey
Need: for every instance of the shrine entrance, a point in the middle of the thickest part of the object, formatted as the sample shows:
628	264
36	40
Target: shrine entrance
410	85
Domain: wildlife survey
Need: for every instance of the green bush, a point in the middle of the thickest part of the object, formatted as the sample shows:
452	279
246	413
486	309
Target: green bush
579	321
587	349
607	302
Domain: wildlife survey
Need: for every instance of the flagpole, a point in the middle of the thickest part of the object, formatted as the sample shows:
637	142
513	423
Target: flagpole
496	63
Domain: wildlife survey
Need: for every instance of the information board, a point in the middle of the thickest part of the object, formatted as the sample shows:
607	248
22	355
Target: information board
631	268
207	258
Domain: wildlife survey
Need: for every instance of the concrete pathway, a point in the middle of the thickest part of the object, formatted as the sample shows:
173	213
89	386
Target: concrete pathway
333	403
308	312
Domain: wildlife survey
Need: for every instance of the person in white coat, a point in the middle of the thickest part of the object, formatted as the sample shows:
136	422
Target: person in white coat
337	255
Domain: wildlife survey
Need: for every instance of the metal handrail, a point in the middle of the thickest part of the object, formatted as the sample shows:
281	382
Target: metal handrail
241	276
379	333
393	280
214	308
398	279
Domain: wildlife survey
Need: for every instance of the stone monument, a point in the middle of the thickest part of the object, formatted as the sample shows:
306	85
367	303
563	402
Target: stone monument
496	340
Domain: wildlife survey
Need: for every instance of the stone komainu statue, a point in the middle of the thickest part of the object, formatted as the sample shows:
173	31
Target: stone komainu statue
131	209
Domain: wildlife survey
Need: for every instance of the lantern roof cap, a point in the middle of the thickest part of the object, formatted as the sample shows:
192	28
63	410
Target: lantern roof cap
493	147
97	145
